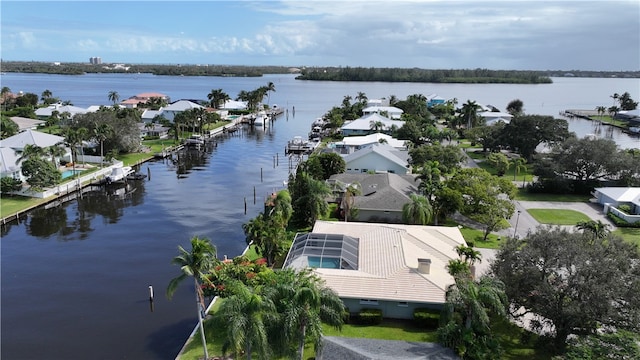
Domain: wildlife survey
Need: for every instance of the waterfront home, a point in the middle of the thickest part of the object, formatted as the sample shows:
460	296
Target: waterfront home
391	111
378	157
493	117
46	112
351	144
382	196
367	125
611	198
234	105
16	144
392	267
169	112
154	130
434	99
142	99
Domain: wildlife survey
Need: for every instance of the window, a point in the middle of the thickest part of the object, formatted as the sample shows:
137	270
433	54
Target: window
403	304
368	302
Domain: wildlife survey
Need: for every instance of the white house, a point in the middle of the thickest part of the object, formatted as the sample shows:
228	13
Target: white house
379	158
493	117
391	111
350	144
364	125
382	196
612	197
18	142
392	267
46	112
234	105
169	112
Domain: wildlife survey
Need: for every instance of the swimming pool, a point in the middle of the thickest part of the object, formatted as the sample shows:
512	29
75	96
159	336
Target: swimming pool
324	262
70	173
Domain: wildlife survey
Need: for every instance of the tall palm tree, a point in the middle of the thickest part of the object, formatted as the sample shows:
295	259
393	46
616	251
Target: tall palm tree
101	133
246	315
196	264
350	192
601	111
469	113
279	208
113	96
519	165
271	87
305	302
217	96
55	151
46	95
418	211
376	125
475	300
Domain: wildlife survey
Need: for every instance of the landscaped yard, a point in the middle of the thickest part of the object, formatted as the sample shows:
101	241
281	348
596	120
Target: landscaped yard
557	216
629	234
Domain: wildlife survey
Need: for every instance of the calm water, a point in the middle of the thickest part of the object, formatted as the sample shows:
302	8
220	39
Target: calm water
75	277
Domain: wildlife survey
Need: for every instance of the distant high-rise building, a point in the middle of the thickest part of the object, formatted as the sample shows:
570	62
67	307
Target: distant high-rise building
95	60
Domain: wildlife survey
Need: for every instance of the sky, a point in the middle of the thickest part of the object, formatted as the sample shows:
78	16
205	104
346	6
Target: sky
429	34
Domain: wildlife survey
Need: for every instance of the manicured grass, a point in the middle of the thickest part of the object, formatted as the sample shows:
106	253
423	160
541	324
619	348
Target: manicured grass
629	234
9	205
389	330
557	216
475	236
524	195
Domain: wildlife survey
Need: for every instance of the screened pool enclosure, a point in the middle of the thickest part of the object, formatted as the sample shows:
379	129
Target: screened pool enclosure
327	251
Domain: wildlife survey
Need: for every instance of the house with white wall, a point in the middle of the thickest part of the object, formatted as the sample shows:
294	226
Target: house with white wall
365	125
169	112
611	198
391	111
392	267
378	158
16	144
351	144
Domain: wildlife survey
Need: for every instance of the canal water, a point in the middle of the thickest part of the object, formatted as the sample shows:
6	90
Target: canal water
75	277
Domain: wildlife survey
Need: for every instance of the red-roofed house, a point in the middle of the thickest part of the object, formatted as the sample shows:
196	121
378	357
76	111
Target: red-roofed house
133	101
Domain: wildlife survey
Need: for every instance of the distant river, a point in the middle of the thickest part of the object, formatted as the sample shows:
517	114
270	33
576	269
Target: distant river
75	277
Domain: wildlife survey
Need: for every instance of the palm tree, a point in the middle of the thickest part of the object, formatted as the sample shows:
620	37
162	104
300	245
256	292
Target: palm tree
30	151
361	97
271	87
519	165
113	96
46	95
598	229
216	96
246	315
475	300
279	208
601	111
55	151
351	190
469	113
304	303
376	125
101	133
195	264
418	211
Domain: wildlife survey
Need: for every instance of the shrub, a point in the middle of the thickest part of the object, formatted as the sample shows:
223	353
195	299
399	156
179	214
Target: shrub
369	317
426	318
625	208
9	184
620	222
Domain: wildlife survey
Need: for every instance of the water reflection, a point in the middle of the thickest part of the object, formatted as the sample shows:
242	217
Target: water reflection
73	219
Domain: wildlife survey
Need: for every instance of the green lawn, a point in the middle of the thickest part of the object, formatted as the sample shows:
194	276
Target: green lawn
9	205
558	217
629	234
475	236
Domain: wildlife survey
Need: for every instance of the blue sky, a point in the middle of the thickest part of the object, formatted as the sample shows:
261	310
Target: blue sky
520	35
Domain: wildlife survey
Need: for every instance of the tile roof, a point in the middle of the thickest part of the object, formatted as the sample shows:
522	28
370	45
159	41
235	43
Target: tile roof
384	192
388	261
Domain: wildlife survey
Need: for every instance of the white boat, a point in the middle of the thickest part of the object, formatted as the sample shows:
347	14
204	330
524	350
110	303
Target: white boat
119	174
194	140
635	129
261	119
